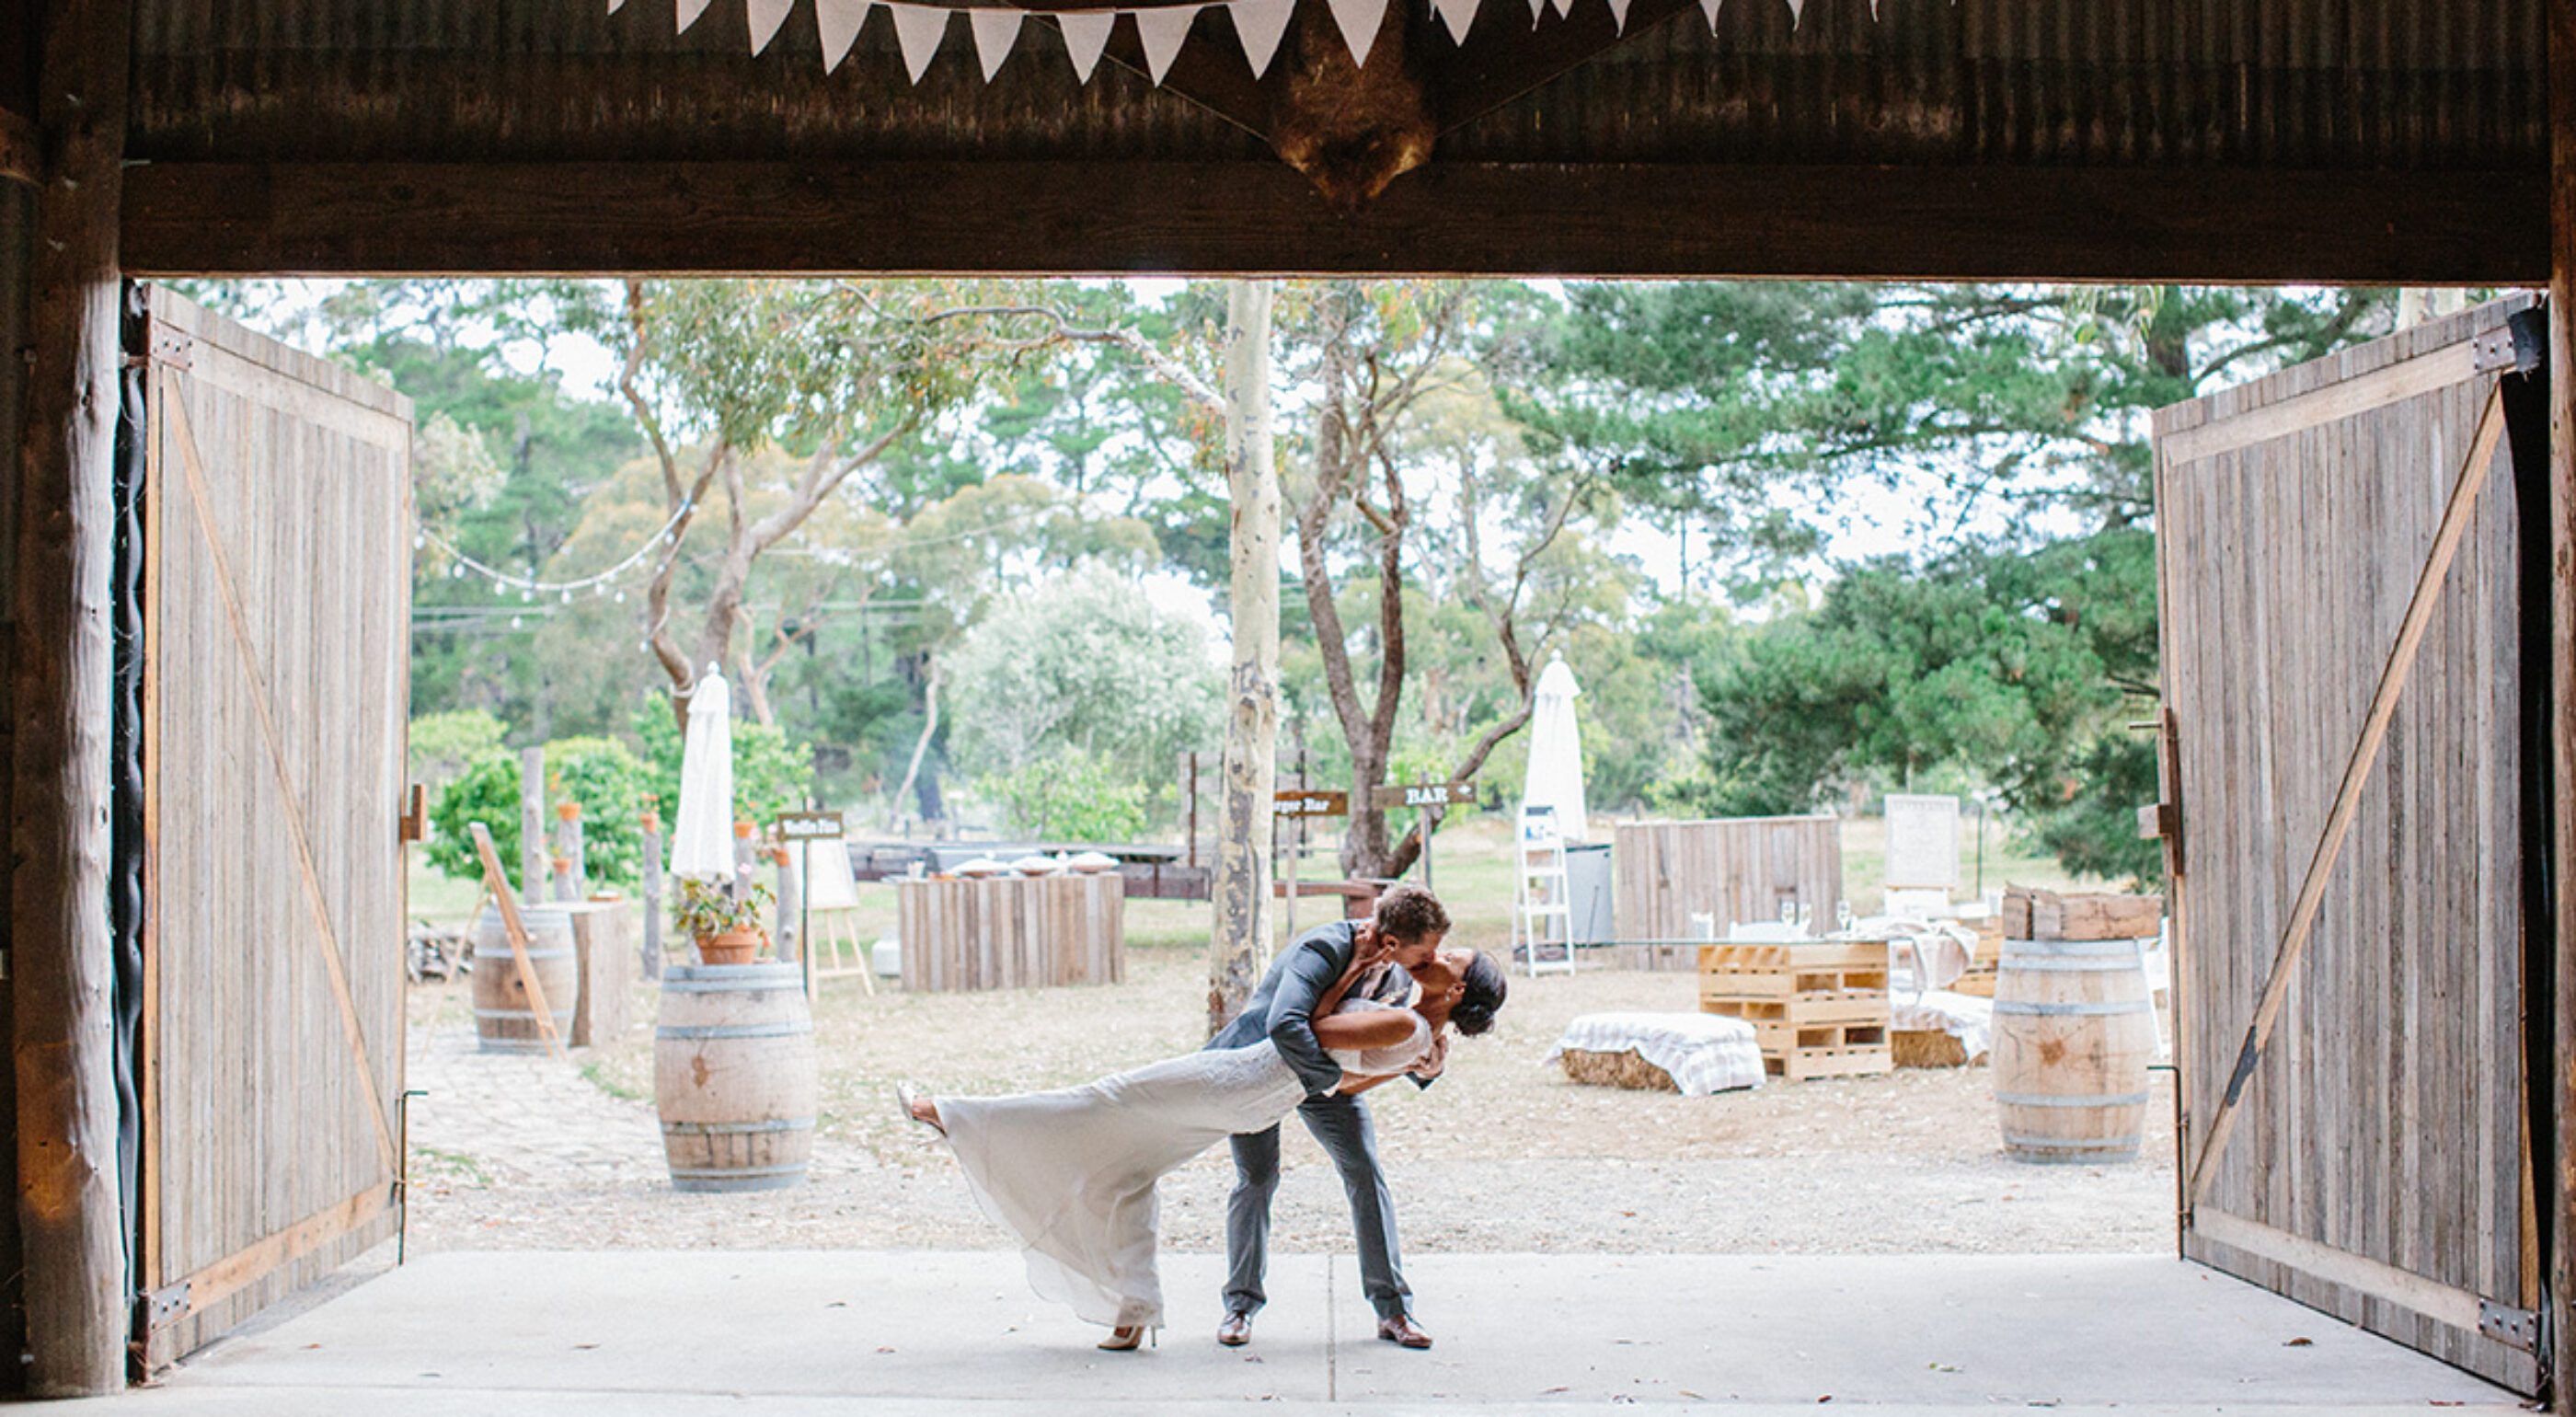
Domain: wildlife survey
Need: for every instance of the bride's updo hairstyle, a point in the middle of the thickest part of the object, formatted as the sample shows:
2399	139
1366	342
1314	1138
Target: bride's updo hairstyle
1486	986
1408	912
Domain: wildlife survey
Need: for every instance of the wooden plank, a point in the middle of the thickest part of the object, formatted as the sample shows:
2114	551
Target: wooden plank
230	1274
2329	403
61	954
2391	683
2442	1303
516	929
326	937
2199	223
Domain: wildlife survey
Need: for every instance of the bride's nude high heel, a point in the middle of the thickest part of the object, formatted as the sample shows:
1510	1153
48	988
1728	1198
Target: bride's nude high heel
904	1100
1127	1339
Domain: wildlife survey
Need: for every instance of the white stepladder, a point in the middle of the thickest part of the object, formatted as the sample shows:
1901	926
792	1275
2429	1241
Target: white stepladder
1543	905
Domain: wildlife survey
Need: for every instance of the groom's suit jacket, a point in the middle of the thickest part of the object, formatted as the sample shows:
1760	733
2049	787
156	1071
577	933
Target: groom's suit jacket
1282	1009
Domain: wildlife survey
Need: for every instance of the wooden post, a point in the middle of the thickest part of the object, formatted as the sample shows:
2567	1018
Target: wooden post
60	954
791	908
649	883
2559	1190
532	822
1241	888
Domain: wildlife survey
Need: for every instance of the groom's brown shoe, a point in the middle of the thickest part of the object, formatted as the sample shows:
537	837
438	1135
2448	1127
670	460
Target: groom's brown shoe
1400	1331
1236	1330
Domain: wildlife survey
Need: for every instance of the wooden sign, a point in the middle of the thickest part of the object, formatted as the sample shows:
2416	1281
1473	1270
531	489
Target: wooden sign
1311	804
1922	841
1423	794
809	826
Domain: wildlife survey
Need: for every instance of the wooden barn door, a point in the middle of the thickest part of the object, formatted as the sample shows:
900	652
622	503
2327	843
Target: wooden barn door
2345	812
276	601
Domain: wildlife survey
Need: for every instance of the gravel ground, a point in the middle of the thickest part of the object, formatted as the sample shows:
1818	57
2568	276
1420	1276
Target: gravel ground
1504	1155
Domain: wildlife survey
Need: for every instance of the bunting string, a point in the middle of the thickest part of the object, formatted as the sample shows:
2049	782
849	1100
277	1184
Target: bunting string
1161	30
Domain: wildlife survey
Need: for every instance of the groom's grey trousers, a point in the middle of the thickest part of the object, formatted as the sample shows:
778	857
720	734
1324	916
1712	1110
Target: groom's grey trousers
1341	1124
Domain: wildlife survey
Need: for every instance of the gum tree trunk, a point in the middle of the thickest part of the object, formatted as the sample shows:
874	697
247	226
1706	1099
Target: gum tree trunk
1241	889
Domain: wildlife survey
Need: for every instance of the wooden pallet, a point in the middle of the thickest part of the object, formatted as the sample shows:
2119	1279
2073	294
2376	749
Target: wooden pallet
1805	1063
1818	1008
1784	970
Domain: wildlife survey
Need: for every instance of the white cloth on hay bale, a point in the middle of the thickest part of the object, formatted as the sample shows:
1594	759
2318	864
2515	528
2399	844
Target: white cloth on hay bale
1702	1053
1965	1017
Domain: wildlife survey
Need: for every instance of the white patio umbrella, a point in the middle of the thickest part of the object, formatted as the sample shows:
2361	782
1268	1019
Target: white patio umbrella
702	833
1555	777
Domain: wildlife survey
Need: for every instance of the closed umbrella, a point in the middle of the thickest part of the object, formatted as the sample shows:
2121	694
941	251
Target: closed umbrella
702	836
1555	776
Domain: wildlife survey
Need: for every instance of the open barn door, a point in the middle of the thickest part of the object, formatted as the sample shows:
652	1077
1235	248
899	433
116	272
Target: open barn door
275	599
2346	807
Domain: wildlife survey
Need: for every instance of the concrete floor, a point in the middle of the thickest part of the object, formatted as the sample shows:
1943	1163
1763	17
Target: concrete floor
784	1334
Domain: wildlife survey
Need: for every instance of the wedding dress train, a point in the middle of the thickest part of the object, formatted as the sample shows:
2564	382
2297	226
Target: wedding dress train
1072	1172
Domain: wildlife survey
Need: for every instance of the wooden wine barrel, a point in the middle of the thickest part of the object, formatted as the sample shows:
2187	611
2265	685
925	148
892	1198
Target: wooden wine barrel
734	1076
503	1020
2074	1033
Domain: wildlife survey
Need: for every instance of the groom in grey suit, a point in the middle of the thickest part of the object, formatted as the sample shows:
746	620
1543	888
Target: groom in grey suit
1402	935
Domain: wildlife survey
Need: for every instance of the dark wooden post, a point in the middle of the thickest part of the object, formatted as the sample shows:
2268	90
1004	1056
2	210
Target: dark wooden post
60	953
2559	1189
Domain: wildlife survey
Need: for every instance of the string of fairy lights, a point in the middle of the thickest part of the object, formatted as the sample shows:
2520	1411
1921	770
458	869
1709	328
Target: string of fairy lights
605	583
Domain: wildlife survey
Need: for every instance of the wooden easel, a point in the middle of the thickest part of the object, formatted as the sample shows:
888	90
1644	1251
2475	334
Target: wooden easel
517	930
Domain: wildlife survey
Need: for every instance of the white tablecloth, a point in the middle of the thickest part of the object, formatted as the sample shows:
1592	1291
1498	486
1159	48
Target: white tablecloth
1704	1053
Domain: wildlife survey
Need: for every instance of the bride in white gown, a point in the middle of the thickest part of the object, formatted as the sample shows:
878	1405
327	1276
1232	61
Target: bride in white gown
1072	1172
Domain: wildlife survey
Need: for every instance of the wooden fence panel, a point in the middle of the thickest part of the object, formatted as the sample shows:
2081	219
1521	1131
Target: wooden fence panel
276	653
1736	869
2375	1163
1012	932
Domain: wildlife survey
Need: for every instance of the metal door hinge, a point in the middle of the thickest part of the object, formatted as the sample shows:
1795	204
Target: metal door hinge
2512	1327
164	344
157	1309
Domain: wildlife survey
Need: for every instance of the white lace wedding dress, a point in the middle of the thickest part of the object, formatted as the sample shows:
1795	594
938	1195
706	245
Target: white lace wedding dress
1071	1172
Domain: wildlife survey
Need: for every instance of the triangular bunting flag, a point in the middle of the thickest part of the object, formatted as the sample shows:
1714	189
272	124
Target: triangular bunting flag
995	32
917	29
1258	24
1712	7
1086	33
1564	8
1162	29
616	5
765	16
837	23
689	12
1358	20
1795	6
1457	15
1619	14
1538	10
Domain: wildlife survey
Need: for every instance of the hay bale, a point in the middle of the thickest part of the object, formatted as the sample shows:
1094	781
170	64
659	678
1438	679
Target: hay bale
1927	1048
1621	1069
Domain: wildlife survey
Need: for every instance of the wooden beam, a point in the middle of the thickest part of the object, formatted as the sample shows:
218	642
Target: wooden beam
2559	1187
1260	217
62	962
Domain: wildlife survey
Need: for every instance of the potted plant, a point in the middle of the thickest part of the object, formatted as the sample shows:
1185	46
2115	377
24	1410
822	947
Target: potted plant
725	923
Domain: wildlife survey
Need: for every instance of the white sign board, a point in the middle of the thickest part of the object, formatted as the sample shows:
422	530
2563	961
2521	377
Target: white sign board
1922	841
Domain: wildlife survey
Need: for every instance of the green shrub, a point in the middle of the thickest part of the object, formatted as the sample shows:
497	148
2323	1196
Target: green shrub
1073	796
601	774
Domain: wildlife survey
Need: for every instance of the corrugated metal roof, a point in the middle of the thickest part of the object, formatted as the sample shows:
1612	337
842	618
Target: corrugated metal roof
2391	84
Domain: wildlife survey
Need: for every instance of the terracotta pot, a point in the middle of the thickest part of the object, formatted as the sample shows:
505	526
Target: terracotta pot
731	947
